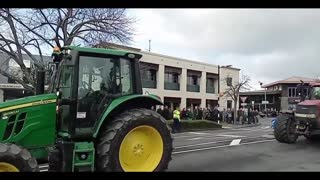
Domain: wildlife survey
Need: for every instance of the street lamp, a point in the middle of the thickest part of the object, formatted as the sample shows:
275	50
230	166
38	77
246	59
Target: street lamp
265	96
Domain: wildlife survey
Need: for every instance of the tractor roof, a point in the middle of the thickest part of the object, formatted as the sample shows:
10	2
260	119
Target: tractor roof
102	51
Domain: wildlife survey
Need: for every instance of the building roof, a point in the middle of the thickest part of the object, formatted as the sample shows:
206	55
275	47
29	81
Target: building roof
291	80
258	92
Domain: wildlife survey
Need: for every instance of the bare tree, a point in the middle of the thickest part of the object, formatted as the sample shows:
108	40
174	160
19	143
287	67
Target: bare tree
24	31
234	89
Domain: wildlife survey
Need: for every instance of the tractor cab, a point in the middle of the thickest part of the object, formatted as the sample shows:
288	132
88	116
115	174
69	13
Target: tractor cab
86	82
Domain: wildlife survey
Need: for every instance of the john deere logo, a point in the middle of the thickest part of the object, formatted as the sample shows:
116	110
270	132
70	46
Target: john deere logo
6	114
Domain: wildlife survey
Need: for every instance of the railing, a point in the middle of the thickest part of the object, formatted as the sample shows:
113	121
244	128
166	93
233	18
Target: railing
210	90
149	84
193	88
171	86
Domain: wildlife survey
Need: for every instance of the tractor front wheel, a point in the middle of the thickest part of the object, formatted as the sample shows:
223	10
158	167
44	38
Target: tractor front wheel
284	130
136	140
14	158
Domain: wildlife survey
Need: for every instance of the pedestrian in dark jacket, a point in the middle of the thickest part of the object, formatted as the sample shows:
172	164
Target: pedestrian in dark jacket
200	114
166	113
184	114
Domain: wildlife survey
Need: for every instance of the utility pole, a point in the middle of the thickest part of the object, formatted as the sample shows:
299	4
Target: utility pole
149	45
265	96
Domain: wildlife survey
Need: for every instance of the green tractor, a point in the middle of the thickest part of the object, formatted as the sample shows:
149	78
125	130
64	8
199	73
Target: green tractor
93	117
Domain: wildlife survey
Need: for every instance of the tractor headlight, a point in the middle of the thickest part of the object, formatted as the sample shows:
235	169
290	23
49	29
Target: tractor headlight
305	115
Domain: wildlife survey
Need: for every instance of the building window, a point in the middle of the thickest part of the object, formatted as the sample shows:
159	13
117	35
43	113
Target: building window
229	81
292	92
193	80
210	85
229	104
149	74
171	77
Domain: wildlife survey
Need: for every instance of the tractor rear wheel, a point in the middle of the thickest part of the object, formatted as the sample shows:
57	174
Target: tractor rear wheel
284	130
136	140
14	158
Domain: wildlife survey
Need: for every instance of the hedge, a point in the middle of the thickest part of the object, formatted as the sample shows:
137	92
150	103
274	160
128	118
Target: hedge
196	124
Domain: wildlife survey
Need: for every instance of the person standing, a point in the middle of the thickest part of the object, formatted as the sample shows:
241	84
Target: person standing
200	114
176	121
184	114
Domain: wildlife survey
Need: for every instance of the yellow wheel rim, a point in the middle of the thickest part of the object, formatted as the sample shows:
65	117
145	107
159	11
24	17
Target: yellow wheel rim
7	167
141	149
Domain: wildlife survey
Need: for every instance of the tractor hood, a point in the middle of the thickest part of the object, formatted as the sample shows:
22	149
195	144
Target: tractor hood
27	101
310	103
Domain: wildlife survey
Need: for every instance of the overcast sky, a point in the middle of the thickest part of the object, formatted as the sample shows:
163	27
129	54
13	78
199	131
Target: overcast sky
266	44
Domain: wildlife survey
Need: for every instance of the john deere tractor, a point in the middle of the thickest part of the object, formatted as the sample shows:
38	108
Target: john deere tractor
304	120
93	117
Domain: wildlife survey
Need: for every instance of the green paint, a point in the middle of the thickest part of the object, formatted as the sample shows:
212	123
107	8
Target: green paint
101	51
25	100
86	149
38	130
39	152
117	102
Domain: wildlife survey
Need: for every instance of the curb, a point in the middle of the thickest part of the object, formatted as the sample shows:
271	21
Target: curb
242	126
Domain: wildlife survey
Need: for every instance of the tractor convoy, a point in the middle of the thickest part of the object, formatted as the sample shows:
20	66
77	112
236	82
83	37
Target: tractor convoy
93	117
304	120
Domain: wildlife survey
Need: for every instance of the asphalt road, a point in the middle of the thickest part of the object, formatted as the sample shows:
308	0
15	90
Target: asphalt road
243	149
240	149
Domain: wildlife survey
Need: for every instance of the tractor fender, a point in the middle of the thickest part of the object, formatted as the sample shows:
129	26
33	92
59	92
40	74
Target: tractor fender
123	103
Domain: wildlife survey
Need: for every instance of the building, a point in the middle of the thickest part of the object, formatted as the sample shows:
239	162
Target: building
178	82
255	99
281	95
181	82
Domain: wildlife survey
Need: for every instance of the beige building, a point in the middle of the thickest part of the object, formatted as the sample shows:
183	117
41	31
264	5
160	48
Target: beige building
184	83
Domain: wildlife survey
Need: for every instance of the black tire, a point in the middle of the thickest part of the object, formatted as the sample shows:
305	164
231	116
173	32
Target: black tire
112	135
282	128
18	157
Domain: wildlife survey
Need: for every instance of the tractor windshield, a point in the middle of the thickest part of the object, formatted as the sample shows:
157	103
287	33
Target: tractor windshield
315	95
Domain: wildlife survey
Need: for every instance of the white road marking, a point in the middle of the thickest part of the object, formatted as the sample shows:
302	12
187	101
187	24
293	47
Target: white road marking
217	147
198	133
235	142
228	135
213	134
226	127
215	142
268	136
194	139
241	129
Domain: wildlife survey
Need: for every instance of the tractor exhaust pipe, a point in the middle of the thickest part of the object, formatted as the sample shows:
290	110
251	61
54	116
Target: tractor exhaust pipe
40	82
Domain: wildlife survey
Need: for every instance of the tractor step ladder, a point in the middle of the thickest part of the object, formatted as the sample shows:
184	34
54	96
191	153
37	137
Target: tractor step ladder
83	157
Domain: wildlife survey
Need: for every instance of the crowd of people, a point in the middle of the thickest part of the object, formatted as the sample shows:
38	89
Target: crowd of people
244	115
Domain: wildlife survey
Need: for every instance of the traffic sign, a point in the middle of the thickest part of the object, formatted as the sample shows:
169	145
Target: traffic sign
243	104
265	102
244	98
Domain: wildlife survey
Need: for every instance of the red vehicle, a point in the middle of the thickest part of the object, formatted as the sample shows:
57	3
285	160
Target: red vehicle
304	120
